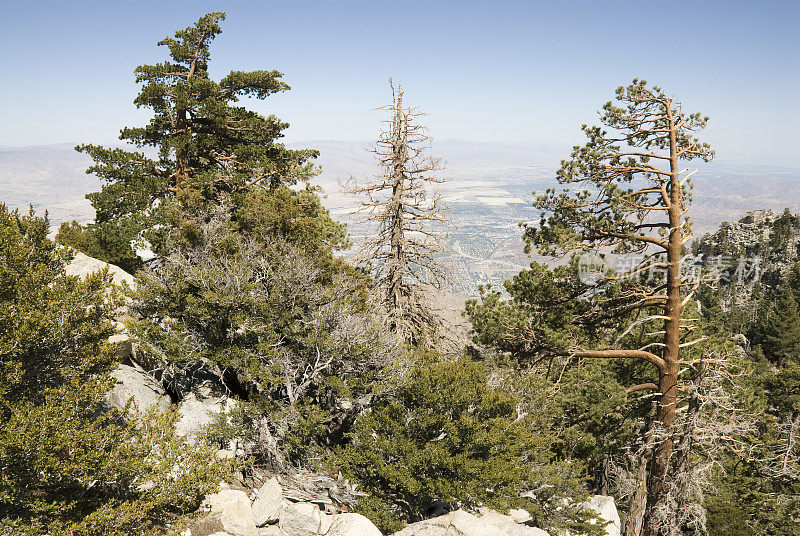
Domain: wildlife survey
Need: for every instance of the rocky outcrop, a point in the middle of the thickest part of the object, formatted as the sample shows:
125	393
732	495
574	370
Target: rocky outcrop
756	251
351	525
132	383
230	512
199	409
268	503
82	265
607	511
461	523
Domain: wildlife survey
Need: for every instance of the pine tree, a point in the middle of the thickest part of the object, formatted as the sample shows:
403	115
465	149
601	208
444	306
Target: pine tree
205	146
626	191
403	252
780	338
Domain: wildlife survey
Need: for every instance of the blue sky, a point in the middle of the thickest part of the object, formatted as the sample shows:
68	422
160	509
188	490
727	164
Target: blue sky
500	71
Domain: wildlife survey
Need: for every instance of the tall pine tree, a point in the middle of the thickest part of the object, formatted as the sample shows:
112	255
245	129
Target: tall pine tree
198	145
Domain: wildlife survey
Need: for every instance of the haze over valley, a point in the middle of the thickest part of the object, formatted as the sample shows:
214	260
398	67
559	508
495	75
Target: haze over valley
488	194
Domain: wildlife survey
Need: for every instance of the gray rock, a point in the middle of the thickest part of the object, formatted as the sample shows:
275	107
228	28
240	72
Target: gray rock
224	454
458	523
133	383
519	515
507	524
272	530
235	512
199	410
122	341
237	519
461	523
607	510
352	525
268	503
82	265
739	340
326	520
300	519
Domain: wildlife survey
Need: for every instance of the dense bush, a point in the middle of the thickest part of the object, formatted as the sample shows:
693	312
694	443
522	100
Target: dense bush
444	438
68	465
259	302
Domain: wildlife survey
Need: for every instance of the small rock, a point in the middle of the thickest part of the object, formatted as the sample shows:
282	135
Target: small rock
351	524
224	454
271	530
520	515
236	514
300	519
83	265
123	343
739	340
268	503
198	411
507	525
133	383
607	510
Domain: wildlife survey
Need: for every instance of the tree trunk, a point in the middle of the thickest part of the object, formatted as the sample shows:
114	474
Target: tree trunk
635	518
636	510
396	265
683	471
182	158
658	485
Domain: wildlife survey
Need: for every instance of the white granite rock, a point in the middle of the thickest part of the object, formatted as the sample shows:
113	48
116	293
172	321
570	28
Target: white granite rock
300	519
268	503
351	524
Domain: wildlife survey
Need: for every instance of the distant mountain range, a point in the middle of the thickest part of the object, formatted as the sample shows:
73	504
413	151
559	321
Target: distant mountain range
489	193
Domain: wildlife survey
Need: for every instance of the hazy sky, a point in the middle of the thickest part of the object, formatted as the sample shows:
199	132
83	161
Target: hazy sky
487	71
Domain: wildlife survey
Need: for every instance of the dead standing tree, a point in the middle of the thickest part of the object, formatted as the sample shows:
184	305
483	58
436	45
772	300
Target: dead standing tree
400	203
626	192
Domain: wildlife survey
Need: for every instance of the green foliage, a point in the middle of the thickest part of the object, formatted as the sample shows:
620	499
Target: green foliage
783	229
295	216
52	328
205	145
68	465
539	315
757	485
748	501
268	311
543	312
726	518
99	243
595	417
443	437
780	330
612	182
